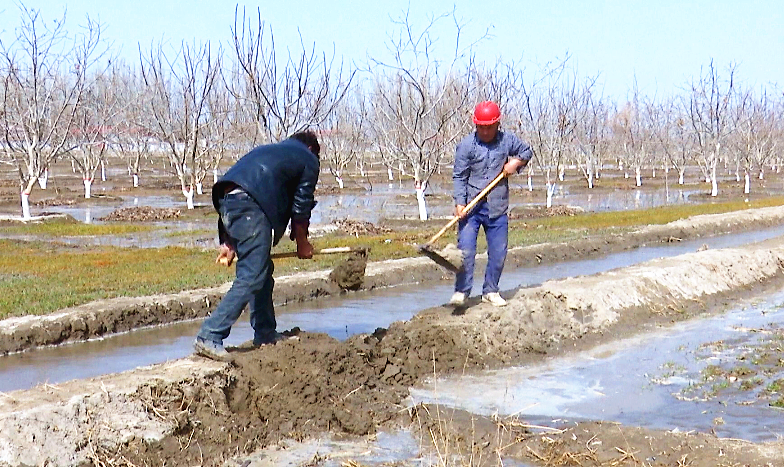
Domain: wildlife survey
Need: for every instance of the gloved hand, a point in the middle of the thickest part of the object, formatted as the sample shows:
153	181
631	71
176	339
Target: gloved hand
299	233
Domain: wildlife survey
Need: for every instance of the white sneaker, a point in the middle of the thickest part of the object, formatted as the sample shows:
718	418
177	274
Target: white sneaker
458	299
494	299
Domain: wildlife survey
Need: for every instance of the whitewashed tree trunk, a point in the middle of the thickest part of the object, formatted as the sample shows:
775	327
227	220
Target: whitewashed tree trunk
530	183
714	182
590	180
136	180
626	175
550	191
88	183
199	189
561	174
762	174
681	175
188	198
43	179
389	174
339	179
420	195
103	171
214	176
638	176
653	172
25	205
747	184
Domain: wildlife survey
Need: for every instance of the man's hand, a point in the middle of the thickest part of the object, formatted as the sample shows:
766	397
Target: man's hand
226	255
459	211
304	250
512	166
299	231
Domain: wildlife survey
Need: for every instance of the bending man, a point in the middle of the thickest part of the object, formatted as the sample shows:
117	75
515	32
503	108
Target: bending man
255	200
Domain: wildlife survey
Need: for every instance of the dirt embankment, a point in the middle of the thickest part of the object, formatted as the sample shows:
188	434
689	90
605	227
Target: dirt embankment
194	411
106	317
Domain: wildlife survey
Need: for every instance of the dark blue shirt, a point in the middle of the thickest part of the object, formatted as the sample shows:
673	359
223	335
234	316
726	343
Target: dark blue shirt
281	177
478	163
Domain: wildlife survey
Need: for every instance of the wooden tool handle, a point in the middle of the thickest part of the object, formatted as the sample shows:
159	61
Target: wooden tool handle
468	207
323	251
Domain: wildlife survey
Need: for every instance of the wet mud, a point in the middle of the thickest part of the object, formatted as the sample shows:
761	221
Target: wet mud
198	412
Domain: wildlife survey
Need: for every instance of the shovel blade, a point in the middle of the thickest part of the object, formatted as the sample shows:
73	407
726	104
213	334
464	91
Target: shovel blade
434	255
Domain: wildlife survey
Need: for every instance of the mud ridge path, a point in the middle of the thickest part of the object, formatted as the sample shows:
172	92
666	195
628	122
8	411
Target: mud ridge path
110	316
197	412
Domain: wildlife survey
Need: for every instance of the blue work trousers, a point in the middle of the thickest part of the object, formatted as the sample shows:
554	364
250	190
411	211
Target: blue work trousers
250	233
497	234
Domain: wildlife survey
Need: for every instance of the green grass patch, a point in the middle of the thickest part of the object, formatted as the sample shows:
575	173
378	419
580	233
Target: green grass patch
659	215
69	228
38	278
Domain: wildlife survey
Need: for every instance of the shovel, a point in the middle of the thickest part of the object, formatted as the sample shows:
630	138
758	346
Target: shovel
453	260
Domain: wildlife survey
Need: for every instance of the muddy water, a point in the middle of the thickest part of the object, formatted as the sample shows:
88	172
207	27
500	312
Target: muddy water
623	382
340	317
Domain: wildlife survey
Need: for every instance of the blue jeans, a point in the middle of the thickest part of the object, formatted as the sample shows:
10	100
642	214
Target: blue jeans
250	233
497	234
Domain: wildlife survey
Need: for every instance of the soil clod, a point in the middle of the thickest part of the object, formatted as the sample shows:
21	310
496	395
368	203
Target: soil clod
350	274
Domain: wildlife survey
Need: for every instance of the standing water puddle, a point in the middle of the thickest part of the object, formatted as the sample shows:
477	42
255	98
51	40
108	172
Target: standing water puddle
339	317
656	380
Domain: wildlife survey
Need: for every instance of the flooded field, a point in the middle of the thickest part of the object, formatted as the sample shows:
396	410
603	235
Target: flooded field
656	380
391	376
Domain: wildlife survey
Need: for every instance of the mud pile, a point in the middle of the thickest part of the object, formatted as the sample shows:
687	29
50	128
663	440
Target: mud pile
142	214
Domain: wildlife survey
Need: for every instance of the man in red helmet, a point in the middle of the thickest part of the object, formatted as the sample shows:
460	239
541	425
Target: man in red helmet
479	158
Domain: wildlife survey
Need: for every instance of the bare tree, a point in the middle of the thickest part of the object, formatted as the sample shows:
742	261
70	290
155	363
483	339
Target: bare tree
345	134
96	118
710	116
132	135
755	141
670	131
552	112
44	77
593	133
282	99
420	103
181	89
633	135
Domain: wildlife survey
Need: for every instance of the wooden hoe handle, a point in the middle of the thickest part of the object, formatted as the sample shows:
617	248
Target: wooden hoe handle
323	251
468	207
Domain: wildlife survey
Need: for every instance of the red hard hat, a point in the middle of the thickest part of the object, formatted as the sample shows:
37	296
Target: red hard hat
486	113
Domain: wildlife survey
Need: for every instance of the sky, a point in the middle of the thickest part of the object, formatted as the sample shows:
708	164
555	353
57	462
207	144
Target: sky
661	45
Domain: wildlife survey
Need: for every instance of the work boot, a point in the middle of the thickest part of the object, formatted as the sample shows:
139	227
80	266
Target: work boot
210	349
458	299
494	299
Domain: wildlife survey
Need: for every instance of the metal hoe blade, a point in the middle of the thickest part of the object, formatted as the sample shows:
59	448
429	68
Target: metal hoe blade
428	251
